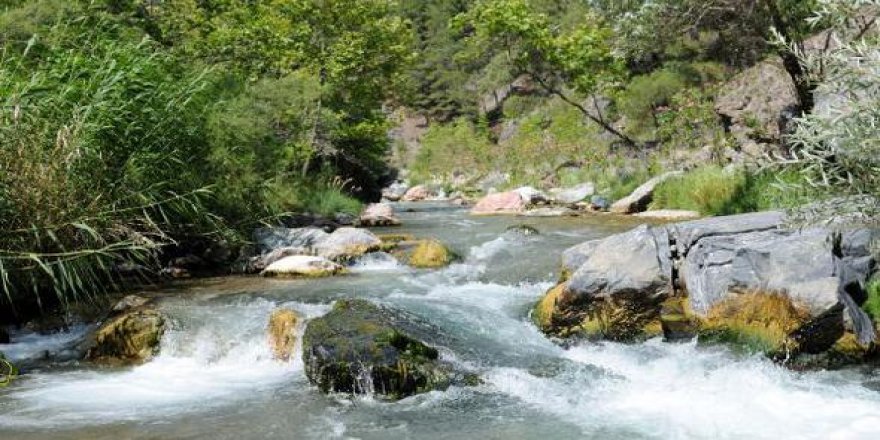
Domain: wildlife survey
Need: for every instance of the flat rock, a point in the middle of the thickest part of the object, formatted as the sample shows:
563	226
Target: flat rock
303	266
378	214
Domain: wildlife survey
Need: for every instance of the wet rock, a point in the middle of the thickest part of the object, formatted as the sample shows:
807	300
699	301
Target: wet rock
642	196
4	336
522	230
678	321
362	348
303	266
669	214
500	203
130	335
572	195
430	254
378	214
345	244
345	219
282	333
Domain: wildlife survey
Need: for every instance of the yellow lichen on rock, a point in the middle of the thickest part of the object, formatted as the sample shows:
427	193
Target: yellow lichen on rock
543	312
759	321
429	254
282	333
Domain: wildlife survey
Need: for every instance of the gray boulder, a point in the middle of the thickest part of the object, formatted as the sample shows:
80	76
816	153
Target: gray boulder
347	243
642	196
268	239
395	191
572	195
530	195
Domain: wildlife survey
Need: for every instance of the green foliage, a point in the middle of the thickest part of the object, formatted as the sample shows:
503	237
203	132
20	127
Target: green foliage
712	190
872	305
457	148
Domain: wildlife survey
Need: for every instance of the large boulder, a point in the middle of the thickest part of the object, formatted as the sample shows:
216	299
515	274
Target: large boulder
759	103
282	333
345	244
378	214
572	195
509	202
306	266
430	254
737	273
642	196
362	348
130	335
530	195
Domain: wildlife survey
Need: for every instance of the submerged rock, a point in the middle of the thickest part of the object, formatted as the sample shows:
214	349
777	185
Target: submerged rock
378	214
130	335
362	348
302	266
642	196
500	203
282	333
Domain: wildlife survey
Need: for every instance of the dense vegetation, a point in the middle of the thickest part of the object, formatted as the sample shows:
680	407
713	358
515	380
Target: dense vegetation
127	126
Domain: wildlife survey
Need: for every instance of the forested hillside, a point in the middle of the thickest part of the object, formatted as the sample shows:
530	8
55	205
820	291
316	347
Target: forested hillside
131	127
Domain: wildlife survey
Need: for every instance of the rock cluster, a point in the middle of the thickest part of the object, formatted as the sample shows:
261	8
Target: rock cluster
742	274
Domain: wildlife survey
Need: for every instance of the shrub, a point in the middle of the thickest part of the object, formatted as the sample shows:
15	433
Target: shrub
872	305
459	147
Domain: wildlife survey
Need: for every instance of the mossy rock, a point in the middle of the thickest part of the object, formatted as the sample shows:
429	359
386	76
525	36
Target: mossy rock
430	254
130	337
846	351
282	333
362	348
623	319
761	322
8	371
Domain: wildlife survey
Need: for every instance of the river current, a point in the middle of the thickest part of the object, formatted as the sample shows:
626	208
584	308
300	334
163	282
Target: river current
215	377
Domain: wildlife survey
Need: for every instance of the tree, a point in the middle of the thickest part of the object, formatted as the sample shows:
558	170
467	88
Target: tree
561	61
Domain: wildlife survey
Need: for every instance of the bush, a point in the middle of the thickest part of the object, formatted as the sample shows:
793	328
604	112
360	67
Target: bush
872	305
447	149
712	190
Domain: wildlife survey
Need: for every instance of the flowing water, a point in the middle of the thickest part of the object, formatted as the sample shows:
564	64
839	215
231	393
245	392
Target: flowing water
215	377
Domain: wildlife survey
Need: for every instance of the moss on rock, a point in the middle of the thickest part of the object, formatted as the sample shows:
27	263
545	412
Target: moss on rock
282	333
362	348
430	254
678	320
755	321
131	337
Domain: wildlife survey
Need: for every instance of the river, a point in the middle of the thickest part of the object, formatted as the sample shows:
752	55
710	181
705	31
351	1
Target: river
215	377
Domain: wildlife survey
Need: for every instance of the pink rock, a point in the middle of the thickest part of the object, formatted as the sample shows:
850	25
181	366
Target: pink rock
416	193
500	203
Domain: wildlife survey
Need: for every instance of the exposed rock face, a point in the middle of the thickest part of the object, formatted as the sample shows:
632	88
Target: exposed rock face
759	103
282	333
500	203
362	348
623	283
572	195
642	196
131	335
378	214
308	266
